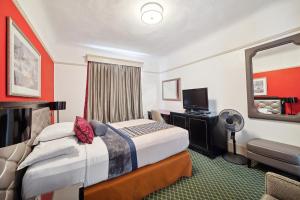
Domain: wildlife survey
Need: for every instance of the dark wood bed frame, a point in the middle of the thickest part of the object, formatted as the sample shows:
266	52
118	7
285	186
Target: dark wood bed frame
34	104
13	105
42	104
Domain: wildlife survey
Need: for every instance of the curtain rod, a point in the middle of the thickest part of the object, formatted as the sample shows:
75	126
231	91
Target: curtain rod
95	58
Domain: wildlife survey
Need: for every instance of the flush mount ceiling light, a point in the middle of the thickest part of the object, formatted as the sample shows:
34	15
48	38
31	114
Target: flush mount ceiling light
152	13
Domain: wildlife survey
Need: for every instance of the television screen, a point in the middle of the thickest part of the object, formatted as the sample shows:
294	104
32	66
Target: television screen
195	99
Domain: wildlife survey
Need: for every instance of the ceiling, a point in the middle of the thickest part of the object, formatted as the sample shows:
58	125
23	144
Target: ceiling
116	24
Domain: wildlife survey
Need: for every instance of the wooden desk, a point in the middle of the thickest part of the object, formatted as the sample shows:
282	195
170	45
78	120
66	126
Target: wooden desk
206	134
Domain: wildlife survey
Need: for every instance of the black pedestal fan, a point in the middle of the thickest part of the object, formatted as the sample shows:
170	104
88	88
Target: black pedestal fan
234	122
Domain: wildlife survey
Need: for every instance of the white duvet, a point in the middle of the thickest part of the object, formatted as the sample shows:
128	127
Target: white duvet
90	165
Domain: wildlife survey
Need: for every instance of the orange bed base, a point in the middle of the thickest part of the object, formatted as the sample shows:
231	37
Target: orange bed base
142	181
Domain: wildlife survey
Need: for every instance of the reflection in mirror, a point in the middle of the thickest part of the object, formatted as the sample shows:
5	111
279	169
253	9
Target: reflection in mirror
276	80
171	90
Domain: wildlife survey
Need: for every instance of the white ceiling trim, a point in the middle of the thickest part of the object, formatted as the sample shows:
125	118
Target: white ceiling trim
245	46
69	63
32	27
264	40
116	61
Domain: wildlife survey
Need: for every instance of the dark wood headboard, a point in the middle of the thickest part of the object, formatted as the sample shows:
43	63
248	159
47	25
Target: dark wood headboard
12	177
34	104
8	166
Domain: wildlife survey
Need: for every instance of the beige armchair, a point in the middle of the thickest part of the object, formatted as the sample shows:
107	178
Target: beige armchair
281	188
156	116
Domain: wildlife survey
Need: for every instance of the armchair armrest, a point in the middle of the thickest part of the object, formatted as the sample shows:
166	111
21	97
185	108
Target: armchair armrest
281	187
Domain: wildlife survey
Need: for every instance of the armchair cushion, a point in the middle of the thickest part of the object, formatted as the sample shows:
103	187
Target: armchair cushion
281	187
268	197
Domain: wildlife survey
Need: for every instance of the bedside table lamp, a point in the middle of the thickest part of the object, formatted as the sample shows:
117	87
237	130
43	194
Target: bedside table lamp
57	105
15	126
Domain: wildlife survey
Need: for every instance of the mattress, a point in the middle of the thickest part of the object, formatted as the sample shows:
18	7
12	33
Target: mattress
90	165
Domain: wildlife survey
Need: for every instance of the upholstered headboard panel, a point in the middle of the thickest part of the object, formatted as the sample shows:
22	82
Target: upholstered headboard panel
268	106
12	156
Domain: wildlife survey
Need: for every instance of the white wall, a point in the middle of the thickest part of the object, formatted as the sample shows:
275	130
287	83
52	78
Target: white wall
226	81
39	22
70	83
150	91
69	86
70	78
70	65
262	24
199	65
203	64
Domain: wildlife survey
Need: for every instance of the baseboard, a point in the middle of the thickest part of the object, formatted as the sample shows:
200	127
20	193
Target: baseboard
240	149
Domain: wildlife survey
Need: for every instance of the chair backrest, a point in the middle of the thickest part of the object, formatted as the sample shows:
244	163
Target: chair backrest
156	116
281	187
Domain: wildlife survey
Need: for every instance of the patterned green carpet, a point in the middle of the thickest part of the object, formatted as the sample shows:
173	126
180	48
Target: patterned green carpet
215	179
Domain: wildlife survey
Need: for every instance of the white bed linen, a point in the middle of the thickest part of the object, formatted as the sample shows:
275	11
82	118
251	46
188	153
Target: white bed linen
153	147
65	171
50	149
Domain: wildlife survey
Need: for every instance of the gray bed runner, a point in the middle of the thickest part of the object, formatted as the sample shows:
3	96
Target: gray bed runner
135	131
121	151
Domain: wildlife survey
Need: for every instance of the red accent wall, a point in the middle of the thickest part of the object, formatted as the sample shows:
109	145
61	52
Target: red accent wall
7	8
283	83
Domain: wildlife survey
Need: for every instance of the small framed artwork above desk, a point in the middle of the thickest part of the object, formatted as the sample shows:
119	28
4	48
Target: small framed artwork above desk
171	90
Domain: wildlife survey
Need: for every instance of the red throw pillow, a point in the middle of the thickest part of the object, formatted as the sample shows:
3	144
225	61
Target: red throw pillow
83	130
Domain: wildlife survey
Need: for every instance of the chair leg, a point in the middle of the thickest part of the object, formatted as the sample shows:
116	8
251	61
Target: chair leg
249	163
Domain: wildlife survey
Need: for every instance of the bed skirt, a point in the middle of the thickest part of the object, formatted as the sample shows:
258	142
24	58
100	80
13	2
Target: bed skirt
143	181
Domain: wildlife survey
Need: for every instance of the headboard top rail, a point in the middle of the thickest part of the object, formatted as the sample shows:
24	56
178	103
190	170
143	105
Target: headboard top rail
34	104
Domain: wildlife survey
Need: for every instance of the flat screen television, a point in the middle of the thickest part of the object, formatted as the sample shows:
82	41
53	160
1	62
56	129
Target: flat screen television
195	99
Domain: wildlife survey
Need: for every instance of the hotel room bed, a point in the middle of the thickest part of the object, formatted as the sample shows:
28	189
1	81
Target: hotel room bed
90	165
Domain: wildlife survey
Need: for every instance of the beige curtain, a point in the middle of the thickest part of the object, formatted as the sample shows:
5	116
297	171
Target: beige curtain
113	92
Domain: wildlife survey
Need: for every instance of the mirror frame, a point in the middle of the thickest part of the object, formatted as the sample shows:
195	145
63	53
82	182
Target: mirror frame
249	54
178	89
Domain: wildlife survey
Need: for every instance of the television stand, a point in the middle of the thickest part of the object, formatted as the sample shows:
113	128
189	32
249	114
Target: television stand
197	112
206	134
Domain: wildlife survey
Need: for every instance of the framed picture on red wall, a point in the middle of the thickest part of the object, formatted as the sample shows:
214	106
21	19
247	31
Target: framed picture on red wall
260	86
23	64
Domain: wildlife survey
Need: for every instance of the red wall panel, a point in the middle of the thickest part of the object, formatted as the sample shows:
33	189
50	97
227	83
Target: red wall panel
7	8
283	83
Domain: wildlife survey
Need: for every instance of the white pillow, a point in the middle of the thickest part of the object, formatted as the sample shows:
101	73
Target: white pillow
51	149
55	131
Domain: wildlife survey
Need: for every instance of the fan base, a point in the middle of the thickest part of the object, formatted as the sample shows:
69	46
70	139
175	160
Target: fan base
235	158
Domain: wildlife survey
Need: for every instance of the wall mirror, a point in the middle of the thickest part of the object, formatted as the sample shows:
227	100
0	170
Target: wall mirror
171	90
273	80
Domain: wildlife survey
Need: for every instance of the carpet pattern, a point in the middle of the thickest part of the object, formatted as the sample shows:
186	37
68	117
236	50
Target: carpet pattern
215	179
